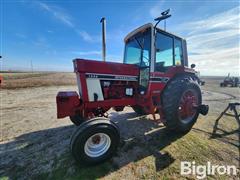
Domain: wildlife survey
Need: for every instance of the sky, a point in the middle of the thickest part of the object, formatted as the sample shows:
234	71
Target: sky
49	34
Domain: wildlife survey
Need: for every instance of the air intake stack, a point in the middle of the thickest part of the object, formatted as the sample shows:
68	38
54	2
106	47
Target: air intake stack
103	21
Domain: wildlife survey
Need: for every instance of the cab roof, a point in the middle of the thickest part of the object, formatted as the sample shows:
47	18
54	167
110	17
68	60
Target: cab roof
145	26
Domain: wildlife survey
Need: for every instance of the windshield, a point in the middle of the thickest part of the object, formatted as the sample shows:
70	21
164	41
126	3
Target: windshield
137	49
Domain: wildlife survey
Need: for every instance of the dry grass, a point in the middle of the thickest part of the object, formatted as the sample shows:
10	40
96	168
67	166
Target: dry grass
26	80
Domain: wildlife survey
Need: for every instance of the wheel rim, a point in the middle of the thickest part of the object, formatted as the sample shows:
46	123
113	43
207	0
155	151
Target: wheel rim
188	106
97	145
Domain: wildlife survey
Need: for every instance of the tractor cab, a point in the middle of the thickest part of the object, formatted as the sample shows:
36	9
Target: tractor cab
154	51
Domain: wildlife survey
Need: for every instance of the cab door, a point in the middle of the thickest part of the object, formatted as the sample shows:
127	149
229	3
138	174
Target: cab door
138	51
144	73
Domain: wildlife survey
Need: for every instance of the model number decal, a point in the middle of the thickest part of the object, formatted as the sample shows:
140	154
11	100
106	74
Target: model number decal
112	77
92	76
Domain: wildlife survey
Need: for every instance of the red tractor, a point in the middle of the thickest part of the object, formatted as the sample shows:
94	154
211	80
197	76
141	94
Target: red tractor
153	78
232	81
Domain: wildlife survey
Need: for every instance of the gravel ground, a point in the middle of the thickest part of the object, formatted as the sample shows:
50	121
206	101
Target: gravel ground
33	139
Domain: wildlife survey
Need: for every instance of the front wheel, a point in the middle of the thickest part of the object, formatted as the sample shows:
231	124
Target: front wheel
180	100
95	141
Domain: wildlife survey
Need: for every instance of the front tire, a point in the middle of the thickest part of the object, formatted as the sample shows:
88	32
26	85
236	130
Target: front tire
95	141
180	100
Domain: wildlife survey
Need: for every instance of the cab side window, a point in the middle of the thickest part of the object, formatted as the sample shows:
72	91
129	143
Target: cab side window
164	52
178	52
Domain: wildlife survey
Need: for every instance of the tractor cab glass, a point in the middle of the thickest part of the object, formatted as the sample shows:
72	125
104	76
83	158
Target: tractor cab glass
164	52
168	51
138	49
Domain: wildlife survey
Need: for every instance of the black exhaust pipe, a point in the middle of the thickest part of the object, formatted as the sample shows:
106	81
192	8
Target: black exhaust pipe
103	21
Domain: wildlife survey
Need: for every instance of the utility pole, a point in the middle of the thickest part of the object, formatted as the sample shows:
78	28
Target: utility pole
31	66
0	63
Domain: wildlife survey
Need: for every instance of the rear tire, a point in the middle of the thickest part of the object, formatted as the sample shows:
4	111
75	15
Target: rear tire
95	141
173	107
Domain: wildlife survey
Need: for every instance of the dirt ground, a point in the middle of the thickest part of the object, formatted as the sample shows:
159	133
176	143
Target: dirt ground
34	144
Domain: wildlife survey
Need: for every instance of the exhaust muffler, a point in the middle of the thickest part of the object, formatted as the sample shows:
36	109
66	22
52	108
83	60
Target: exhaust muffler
103	21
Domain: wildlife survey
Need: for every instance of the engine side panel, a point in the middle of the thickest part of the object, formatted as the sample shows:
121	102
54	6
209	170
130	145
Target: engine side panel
103	87
94	90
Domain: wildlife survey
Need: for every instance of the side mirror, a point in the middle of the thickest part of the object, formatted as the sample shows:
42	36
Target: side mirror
193	66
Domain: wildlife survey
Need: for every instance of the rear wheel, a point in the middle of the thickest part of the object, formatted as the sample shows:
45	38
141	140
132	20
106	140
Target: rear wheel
95	141
180	100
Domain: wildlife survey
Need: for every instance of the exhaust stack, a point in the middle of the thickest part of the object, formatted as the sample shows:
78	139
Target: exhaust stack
103	21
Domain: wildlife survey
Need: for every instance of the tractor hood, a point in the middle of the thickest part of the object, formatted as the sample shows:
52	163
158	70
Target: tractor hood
99	67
